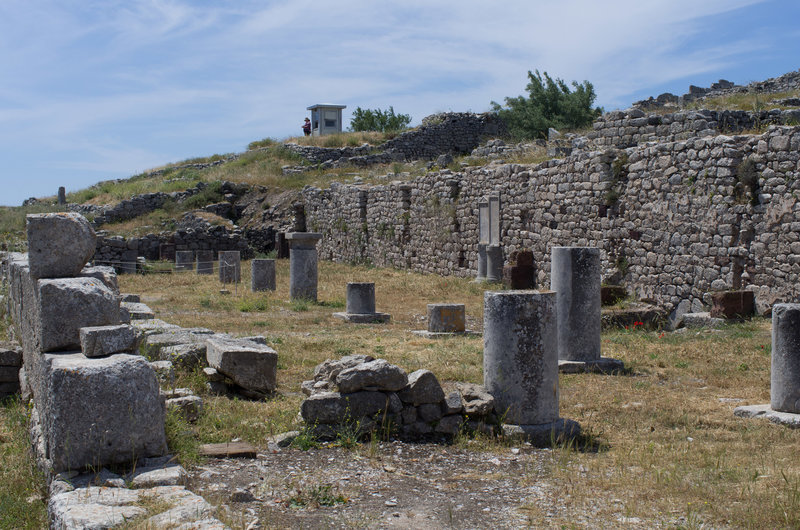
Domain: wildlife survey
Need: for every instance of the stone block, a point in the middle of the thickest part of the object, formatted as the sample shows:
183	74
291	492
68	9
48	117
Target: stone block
374	375
100	411
59	244
446	318
262	275
138	311
104	274
97	341
250	365
423	387
732	304
205	262
66	305
335	407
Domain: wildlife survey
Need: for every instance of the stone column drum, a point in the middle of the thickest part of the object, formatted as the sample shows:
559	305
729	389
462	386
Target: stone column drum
184	260
230	266
785	369
520	355
205	262
303	264
360	298
481	277
575	277
262	275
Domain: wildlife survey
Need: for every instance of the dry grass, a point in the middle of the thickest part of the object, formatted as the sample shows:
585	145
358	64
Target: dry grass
670	446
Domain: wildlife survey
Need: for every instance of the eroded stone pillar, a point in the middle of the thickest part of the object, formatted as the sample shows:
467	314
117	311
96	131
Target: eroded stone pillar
262	275
520	355
575	277
785	369
303	264
360	298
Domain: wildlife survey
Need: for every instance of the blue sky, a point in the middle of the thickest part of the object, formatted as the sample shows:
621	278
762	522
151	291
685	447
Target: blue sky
99	89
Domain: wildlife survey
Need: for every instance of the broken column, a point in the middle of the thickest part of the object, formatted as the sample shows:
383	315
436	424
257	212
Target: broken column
784	405
303	264
230	266
262	275
520	364
184	260
575	277
205	262
361	305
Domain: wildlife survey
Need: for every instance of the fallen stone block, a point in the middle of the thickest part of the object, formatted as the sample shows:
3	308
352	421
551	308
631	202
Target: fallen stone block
97	341
185	356
151	326
374	375
164	371
59	244
331	368
190	407
104	274
100	411
65	305
251	366
335	407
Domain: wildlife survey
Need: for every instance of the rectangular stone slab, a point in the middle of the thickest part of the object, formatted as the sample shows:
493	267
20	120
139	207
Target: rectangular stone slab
250	365
229	450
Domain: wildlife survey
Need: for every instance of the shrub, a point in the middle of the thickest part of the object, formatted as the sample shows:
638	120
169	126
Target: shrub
378	120
550	104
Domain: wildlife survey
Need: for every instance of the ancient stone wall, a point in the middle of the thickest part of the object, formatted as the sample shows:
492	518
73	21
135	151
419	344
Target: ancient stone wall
673	221
628	128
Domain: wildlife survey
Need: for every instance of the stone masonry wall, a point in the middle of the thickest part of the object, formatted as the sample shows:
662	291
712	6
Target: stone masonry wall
628	128
673	221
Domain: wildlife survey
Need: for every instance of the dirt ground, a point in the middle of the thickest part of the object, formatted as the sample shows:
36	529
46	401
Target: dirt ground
396	485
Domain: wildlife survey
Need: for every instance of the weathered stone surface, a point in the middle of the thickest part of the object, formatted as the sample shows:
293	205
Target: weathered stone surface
138	311
164	371
575	277
331	368
185	356
10	355
262	275
453	403
104	274
95	507
230	266
303	264
423	387
446	318
336	407
250	365
788	419
59	244
429	412
68	304
733	304
373	375
449	424
477	401
190	407
154	472
101	411
151	326
97	341
785	360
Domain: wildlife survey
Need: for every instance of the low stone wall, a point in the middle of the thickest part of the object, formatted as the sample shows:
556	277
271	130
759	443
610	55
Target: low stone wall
454	133
673	220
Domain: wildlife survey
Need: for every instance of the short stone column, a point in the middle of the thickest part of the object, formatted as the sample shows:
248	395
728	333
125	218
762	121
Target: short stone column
785	369
205	262
262	275
575	277
62	195
361	305
494	263
184	260
303	264
481	277
230	266
520	363
445	320
784	395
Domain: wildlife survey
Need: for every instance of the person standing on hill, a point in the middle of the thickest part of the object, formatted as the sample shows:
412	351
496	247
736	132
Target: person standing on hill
307	127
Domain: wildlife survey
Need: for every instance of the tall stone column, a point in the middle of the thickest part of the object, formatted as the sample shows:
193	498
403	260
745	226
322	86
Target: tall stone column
303	264
575	277
520	363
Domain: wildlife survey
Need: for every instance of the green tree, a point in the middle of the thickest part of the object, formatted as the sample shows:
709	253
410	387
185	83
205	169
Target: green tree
378	120
550	104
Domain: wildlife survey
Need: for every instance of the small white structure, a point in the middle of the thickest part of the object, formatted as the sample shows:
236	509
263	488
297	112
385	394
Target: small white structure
326	119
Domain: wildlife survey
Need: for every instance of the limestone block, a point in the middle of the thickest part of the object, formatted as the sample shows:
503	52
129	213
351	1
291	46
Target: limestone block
66	305
104	274
452	404
335	407
329	369
138	311
374	375
250	365
190	407
101	411
59	244
444	318
423	387
97	341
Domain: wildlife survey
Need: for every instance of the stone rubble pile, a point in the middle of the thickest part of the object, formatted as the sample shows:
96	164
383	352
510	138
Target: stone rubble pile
360	392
